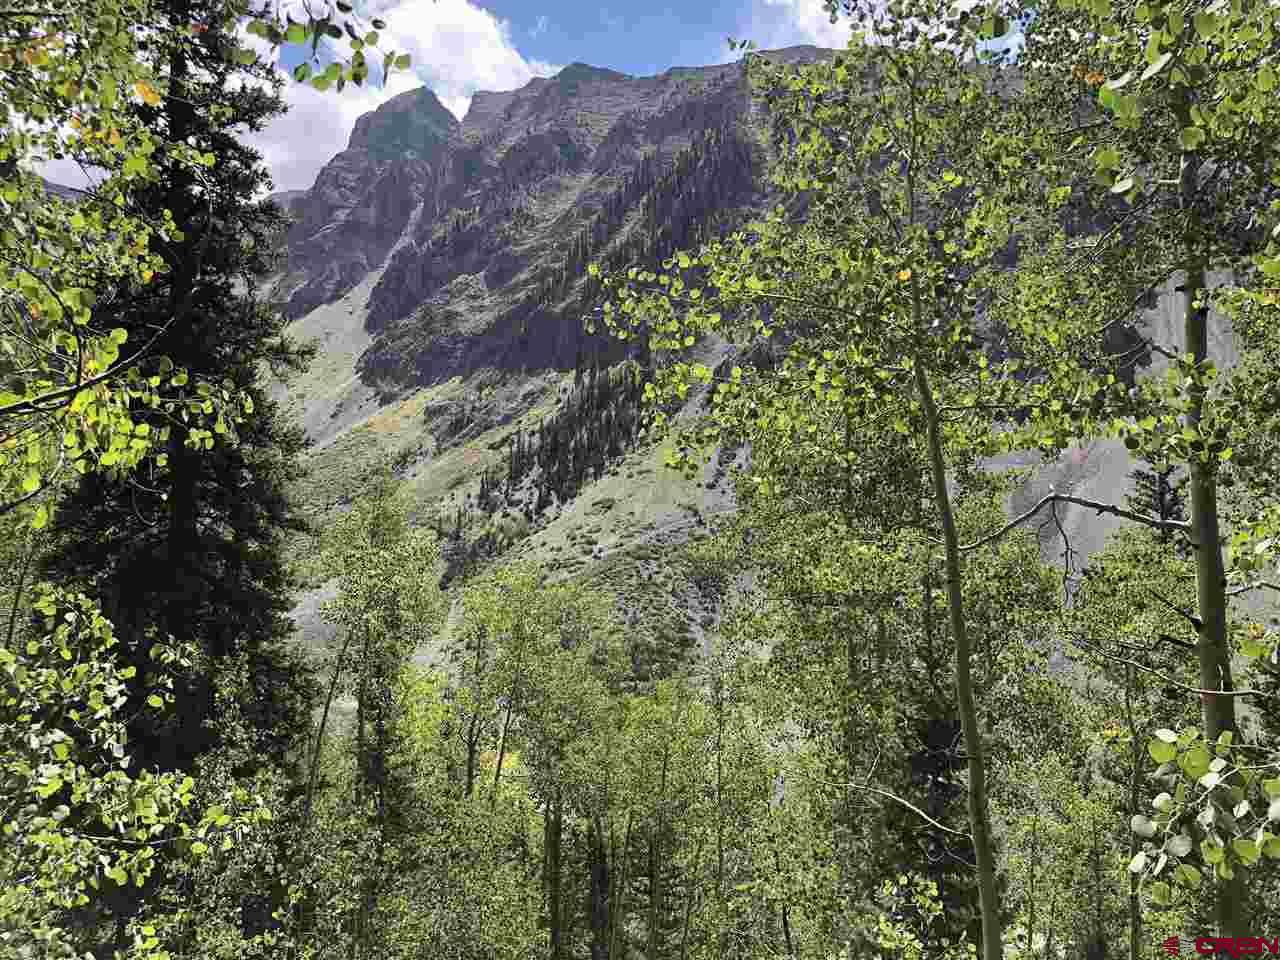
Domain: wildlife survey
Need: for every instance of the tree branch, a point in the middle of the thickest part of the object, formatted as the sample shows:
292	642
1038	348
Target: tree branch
1170	681
1111	508
1253	586
910	806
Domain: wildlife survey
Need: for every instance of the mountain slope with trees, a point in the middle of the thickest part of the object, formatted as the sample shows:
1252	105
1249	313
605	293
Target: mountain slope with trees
896	732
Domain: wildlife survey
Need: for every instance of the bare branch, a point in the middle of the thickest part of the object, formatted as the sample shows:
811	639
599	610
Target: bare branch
1111	508
1253	586
1169	680
910	806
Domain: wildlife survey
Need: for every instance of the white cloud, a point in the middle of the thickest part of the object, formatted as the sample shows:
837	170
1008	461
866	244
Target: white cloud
457	49
774	24
810	23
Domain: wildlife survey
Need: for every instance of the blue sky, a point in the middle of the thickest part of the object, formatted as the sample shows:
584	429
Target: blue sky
461	46
644	38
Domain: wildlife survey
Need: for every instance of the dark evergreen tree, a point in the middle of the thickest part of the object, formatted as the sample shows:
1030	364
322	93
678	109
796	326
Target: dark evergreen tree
1158	493
194	548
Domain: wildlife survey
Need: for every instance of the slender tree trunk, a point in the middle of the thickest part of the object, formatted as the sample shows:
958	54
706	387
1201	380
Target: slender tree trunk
1135	792
472	735
1031	889
783	908
599	905
314	773
362	694
655	895
690	893
373	879
979	825
1219	712
655	863
555	910
361	788
324	720
1048	937
618	912
473	749
502	752
1097	949
720	914
502	741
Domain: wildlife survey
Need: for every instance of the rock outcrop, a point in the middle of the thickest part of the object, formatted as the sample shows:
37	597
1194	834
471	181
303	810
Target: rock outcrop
482	229
363	199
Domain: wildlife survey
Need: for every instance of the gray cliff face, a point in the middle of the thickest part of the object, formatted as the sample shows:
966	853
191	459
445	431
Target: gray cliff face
345	225
481	229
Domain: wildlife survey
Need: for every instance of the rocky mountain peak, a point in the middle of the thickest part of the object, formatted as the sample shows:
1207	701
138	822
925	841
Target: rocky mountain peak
578	72
487	216
415	123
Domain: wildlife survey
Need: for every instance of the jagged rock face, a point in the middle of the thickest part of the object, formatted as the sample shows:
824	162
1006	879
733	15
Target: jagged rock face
483	228
346	224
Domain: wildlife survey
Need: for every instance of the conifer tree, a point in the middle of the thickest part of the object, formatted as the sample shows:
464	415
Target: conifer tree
193	545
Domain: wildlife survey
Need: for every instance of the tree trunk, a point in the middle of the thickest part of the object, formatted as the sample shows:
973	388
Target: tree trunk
1048	937
182	536
720	913
473	738
1096	948
599	906
1135	793
618	914
1031	889
374	881
360	787
324	720
690	892
655	895
1219	712
783	908
502	741
555	911
502	752
655	862
979	826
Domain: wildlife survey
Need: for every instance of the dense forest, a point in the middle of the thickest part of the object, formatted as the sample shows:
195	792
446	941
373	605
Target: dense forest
907	736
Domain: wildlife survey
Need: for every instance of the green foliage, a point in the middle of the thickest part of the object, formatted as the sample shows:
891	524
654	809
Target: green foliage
910	939
384	569
78	81
892	654
76	820
1219	813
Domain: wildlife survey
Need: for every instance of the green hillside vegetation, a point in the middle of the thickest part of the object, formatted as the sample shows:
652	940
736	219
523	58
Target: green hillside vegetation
727	643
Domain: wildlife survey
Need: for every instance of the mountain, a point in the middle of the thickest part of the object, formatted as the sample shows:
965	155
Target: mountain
59	190
484	225
440	265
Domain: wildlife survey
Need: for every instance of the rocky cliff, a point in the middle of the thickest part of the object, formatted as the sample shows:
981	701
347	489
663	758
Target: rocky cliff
481	229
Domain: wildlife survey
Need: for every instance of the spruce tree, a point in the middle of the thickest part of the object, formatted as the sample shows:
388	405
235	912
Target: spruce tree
194	545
